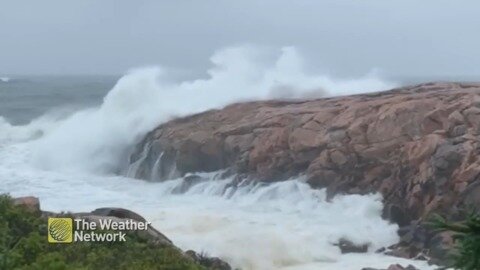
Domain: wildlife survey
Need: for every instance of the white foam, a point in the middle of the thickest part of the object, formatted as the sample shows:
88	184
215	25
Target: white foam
4	79
95	140
36	129
63	161
285	225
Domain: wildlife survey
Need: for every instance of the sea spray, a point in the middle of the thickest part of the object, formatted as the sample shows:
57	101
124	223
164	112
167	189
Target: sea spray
284	225
98	140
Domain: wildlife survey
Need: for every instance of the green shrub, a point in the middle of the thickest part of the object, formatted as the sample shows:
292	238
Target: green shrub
466	255
23	245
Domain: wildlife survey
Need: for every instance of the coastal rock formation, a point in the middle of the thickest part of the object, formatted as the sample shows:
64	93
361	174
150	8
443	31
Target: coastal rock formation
347	246
30	203
119	214
418	146
394	267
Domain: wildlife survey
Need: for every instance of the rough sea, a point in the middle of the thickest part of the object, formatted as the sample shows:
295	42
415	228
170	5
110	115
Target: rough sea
66	140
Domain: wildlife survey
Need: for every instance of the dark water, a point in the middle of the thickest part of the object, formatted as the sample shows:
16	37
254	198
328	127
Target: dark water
25	98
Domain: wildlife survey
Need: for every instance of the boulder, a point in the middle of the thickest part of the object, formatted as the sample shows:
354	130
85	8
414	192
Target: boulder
347	246
399	267
212	263
30	203
394	267
118	212
439	248
187	182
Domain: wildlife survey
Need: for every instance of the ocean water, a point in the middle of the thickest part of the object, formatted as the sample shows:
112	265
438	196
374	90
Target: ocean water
66	140
23	98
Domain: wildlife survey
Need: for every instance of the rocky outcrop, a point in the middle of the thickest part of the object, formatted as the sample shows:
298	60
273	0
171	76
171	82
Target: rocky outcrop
151	235
32	204
394	267
208	262
418	146
347	246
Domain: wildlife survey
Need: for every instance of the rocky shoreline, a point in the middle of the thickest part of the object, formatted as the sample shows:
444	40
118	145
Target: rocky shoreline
418	146
32	204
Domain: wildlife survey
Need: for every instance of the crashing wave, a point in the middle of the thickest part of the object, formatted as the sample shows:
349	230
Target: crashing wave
95	140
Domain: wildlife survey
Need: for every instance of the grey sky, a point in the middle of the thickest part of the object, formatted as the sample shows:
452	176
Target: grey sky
346	38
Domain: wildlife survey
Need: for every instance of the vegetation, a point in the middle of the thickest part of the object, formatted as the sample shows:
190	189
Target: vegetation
466	255
23	245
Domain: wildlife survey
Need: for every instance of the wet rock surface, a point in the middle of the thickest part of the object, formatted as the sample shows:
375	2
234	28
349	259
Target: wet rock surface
347	246
119	213
212	263
394	267
418	146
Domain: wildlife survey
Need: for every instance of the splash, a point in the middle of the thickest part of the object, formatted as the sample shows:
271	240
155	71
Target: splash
274	226
284	225
96	140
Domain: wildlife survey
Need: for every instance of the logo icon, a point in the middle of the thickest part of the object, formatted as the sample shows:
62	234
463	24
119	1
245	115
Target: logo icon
60	230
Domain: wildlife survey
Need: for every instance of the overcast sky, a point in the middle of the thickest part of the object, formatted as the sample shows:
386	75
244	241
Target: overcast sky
344	38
